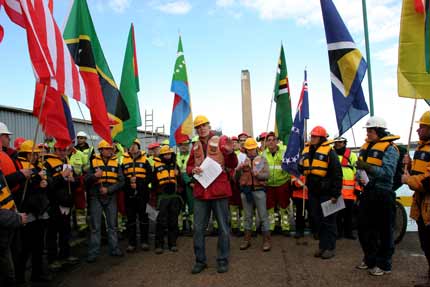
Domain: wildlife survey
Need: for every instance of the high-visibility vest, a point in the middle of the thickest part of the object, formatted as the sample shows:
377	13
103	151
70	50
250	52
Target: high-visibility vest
164	173
277	176
110	170
374	154
135	167
55	164
421	158
6	199
298	191
319	165
181	161
347	161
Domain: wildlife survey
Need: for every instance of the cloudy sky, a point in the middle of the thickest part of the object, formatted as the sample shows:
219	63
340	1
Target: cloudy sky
221	38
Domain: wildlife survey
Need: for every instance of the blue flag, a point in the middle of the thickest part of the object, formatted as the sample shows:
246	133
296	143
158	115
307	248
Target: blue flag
296	140
347	68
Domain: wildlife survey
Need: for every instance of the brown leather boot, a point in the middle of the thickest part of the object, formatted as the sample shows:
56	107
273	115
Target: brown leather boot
267	241
246	240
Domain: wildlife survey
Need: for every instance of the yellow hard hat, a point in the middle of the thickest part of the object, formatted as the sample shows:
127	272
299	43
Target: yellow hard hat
165	142
250	143
27	146
104	144
137	141
200	120
425	119
165	150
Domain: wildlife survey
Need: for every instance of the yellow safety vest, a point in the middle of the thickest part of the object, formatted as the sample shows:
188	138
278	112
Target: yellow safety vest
134	167
55	163
377	151
319	164
110	170
421	158
6	199
163	174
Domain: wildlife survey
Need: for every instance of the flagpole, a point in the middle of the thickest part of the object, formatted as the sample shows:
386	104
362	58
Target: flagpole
412	123
86	124
36	132
369	69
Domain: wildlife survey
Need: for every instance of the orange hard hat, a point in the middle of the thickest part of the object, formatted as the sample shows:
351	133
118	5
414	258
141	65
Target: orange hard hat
17	143
319	131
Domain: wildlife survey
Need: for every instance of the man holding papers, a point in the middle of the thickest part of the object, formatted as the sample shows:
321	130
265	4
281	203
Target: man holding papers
214	196
320	165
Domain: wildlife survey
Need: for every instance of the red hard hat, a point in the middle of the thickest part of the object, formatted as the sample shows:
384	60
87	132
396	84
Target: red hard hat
153	145
234	138
243	134
17	143
319	131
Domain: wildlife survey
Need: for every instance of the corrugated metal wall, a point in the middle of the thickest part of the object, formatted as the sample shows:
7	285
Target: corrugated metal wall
22	123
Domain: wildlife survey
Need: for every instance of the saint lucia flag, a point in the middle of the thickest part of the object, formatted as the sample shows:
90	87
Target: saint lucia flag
347	67
181	126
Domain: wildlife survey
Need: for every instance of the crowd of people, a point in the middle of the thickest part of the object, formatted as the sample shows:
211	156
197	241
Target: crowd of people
47	189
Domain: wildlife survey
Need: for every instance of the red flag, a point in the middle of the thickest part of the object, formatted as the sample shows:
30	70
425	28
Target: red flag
52	62
419	6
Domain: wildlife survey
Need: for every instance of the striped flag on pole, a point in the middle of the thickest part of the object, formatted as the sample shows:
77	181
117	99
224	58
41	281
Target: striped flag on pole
52	63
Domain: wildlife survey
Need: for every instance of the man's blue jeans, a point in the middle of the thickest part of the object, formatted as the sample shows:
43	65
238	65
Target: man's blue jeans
97	207
202	211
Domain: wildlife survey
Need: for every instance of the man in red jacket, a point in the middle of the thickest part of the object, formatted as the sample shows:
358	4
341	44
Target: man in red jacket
214	197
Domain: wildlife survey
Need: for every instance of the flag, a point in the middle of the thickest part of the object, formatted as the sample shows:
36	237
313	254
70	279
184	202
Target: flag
52	62
413	70
347	67
283	121
53	66
296	142
1	27
181	125
55	116
129	87
81	38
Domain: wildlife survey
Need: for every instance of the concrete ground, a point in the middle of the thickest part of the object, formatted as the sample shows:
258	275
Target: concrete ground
287	264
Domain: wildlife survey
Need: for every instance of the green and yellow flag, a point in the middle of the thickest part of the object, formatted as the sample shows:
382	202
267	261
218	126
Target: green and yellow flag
129	88
81	38
413	71
284	118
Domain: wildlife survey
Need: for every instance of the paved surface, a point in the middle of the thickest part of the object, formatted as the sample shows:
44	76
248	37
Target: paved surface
288	264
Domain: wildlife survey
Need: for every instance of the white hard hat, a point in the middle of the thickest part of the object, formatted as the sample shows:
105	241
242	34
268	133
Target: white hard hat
376	122
4	130
82	134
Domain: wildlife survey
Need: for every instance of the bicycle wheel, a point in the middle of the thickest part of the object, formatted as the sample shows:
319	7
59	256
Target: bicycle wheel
400	223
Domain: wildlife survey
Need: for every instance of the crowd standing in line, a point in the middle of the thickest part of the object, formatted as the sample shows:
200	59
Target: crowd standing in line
47	189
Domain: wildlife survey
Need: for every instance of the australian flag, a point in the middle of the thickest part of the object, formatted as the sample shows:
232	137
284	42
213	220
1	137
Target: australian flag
296	141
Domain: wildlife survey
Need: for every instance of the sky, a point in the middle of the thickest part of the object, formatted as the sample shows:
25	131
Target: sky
220	39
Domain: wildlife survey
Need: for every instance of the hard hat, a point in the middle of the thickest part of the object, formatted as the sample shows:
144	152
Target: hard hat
262	136
250	143
165	150
271	134
153	145
200	120
234	138
340	139
183	140
137	141
43	145
195	139
4	130
243	134
17	142
319	131
425	119
82	134
28	145
104	144
165	142
375	122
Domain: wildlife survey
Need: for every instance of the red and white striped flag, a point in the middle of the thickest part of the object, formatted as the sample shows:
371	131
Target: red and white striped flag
52	63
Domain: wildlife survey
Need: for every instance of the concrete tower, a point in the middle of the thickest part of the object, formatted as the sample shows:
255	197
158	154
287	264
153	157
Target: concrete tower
246	103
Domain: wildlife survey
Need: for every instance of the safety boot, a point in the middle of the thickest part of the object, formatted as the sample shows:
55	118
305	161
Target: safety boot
267	241
246	243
